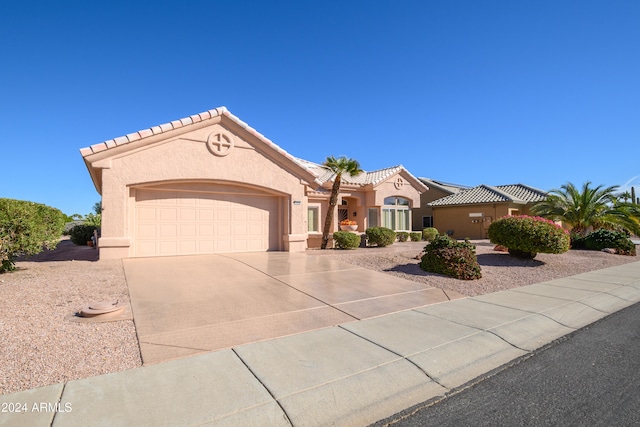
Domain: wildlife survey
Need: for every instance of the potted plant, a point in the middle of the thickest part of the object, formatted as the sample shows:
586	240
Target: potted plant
348	225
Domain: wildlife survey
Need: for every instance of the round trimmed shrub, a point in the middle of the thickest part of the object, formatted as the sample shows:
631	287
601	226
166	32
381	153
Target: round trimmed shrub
415	236
446	256
429	233
81	234
403	236
601	239
526	236
346	240
380	236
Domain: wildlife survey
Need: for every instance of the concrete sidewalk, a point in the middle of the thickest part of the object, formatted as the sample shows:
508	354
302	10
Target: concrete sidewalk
352	374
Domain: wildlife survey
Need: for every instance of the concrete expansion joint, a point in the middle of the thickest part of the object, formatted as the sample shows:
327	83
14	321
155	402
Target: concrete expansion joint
286	416
399	355
292	287
53	419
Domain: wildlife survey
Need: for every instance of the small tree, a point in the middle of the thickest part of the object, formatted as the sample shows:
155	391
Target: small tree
338	166
26	228
525	236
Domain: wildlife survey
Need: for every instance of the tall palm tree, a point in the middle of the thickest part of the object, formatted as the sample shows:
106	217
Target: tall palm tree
589	208
339	167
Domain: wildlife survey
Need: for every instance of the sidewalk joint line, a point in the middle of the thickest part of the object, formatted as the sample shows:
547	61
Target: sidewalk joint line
55	413
286	416
397	354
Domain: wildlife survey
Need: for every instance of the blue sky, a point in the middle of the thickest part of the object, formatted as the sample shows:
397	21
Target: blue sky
471	92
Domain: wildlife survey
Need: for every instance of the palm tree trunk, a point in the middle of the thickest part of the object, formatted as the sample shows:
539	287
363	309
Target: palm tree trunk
333	201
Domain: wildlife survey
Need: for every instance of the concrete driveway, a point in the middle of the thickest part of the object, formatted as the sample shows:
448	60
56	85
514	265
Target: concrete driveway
193	304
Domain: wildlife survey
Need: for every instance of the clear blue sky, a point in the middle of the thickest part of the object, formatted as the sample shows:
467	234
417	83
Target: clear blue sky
472	92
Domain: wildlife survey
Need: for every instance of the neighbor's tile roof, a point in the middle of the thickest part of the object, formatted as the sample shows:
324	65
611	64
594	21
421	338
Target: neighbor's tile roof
444	186
516	193
365	178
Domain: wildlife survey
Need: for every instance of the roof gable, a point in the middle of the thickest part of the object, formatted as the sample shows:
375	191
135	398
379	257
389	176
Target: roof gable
122	145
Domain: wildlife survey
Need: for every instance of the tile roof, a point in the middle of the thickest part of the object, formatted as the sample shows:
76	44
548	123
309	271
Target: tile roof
444	186
321	174
515	193
373	177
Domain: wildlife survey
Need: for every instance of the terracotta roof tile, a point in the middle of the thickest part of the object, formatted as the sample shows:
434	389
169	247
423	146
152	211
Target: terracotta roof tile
145	133
165	127
133	136
96	148
121	140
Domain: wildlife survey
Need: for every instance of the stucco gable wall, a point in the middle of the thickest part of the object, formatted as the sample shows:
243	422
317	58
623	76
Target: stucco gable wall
187	158
390	188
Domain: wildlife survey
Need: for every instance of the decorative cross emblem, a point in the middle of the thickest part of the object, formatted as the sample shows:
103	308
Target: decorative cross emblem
220	144
399	183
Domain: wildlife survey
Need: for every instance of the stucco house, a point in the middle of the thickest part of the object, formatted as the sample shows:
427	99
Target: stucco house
423	215
469	213
209	183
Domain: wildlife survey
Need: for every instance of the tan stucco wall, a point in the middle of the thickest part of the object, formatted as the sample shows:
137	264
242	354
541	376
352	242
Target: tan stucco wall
186	158
425	210
359	200
457	218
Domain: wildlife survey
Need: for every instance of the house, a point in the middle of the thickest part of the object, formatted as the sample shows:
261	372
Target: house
468	213
423	215
209	183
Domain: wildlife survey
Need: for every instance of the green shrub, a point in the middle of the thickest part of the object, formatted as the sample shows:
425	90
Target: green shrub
577	241
525	236
601	238
380	236
446	256
346	240
415	237
81	234
403	236
26	228
94	220
429	233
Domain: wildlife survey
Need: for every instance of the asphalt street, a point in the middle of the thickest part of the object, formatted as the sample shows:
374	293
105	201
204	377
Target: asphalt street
588	378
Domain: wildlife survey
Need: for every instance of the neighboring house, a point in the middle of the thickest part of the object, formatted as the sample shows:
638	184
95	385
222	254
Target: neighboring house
423	216
209	183
469	213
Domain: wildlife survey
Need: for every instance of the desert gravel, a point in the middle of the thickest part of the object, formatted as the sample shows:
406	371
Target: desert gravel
39	346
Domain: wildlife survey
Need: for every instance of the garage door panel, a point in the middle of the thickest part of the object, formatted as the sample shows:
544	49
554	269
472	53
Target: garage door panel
174	223
188	214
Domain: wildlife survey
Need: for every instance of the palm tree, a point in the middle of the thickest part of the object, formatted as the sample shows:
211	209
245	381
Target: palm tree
625	196
588	209
339	166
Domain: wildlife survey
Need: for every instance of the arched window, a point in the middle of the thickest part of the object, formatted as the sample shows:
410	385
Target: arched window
396	213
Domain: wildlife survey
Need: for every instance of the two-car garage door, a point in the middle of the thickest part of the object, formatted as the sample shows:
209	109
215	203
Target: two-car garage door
182	222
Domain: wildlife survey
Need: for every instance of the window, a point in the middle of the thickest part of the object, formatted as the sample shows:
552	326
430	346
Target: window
427	221
396	214
313	219
373	217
